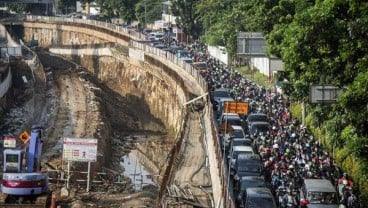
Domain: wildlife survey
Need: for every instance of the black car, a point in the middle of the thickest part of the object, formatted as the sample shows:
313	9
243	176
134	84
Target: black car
247	165
259	197
247	182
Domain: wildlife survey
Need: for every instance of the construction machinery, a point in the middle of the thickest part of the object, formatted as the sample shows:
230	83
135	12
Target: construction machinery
23	183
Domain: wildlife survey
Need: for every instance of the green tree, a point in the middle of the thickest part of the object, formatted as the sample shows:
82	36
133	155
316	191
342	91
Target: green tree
148	11
117	8
188	20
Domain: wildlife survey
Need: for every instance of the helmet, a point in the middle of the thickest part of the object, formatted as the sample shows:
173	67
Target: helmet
304	202
291	166
345	182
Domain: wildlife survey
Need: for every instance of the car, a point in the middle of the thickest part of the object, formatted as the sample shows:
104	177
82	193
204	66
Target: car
219	93
187	60
230	119
247	182
246	141
237	132
320	193
236	150
259	127
181	53
220	105
160	46
254	117
247	165
200	66
174	48
259	198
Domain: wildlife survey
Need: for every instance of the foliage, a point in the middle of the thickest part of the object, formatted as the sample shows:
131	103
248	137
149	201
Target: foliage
354	101
148	11
187	20
64	5
296	110
117	8
19	8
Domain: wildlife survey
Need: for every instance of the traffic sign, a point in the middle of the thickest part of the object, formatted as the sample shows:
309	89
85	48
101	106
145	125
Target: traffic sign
236	107
24	137
80	149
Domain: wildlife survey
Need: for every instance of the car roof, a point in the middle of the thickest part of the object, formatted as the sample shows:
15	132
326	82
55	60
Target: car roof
319	185
236	127
221	89
252	178
257	114
242	148
257	123
249	157
230	114
259	191
223	99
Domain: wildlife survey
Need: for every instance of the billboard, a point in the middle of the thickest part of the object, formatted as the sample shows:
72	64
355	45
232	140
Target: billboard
236	107
80	149
323	93
251	43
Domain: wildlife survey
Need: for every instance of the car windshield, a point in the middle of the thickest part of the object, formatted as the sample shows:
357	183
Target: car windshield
238	134
221	93
242	142
260	127
251	184
322	198
232	121
256	202
252	118
249	167
236	153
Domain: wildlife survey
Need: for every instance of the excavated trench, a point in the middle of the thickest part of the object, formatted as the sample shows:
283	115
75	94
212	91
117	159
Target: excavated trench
136	143
71	101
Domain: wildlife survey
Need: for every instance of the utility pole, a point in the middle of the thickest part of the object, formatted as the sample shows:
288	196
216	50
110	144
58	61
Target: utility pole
145	13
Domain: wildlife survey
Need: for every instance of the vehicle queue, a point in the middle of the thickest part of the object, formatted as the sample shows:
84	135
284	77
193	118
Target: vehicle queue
278	163
272	160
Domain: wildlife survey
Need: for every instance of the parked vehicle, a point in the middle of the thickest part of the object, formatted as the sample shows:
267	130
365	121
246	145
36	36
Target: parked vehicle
259	198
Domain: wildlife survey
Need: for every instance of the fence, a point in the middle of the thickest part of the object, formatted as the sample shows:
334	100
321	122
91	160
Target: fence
5	84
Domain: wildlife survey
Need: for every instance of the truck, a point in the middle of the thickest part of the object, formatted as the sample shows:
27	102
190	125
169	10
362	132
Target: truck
23	183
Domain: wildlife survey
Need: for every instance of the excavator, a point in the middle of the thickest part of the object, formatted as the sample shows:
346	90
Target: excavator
23	183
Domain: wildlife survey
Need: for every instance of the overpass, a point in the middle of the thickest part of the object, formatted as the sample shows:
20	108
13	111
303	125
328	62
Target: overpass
55	32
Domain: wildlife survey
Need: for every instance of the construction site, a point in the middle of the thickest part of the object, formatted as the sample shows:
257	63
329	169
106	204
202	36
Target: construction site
153	136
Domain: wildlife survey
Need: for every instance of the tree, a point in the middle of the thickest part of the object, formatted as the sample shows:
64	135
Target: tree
117	8
148	11
188	20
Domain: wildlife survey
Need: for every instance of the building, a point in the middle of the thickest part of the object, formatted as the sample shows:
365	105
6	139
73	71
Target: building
252	50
